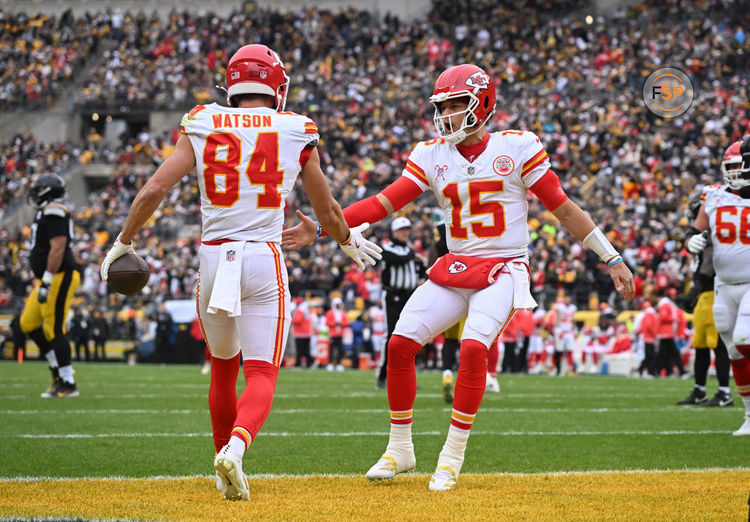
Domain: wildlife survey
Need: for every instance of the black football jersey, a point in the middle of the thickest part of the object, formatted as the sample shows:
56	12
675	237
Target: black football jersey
51	221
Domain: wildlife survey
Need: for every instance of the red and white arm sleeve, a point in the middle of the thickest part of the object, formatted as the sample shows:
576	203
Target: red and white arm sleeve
549	191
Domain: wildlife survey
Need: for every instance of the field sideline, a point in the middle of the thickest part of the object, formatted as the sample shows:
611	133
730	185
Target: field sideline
137	445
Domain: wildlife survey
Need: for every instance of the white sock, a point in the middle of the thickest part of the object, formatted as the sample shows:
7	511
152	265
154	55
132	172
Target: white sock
447	373
700	388
724	389
236	447
66	374
452	454
51	359
400	437
746	402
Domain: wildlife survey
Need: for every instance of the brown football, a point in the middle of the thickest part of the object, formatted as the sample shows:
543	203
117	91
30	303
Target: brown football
128	274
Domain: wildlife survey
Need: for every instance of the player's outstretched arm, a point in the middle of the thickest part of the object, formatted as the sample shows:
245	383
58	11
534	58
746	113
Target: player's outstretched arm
149	197
329	214
370	210
584	229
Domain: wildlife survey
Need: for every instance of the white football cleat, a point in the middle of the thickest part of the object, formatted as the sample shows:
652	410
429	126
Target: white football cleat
230	479
444	479
492	385
391	464
744	429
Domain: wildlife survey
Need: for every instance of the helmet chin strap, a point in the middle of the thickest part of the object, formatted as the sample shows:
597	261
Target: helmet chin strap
461	135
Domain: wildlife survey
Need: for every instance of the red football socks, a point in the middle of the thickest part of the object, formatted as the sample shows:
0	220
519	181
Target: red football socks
493	356
402	377
222	398
256	400
470	383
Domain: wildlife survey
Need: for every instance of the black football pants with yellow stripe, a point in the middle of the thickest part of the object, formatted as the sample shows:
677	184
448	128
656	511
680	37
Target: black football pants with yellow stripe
46	322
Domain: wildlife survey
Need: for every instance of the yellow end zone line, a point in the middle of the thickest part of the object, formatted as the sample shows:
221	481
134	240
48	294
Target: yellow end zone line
271	476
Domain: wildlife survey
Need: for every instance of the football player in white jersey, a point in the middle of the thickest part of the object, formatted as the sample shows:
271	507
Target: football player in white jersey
481	181
247	158
725	214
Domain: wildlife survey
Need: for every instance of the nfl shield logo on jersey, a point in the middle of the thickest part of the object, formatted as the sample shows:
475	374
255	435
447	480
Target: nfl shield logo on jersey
230	255
503	165
263	74
456	267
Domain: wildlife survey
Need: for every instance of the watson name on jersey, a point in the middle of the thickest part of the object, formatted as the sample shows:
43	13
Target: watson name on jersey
247	161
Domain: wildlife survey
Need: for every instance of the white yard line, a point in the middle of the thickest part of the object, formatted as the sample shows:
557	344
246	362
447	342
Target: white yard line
332	434
315	411
158	478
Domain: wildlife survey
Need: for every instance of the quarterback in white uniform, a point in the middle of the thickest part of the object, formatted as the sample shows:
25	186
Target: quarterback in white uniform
725	213
481	181
247	158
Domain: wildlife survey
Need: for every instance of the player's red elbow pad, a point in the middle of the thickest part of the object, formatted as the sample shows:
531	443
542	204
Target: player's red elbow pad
549	191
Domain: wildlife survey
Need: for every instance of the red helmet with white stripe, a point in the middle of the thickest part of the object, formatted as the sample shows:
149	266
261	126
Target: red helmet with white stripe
257	69
461	81
735	174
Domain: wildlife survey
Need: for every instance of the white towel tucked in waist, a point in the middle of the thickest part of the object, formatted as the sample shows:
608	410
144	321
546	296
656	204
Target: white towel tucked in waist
226	293
522	298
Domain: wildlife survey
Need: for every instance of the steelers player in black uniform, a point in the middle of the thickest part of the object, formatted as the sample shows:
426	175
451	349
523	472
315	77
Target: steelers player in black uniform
58	277
705	337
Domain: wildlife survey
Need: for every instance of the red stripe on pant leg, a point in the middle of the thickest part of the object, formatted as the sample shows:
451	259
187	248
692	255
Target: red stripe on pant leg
222	398
744	349
471	379
741	371
402	374
257	398
278	346
493	356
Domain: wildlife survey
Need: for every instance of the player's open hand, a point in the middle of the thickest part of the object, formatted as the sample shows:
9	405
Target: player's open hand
623	279
300	235
359	248
118	250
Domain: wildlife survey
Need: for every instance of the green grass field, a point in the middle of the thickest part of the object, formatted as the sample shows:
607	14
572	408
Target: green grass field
146	421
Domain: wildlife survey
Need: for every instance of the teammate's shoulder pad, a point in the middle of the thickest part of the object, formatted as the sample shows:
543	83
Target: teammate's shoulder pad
55	210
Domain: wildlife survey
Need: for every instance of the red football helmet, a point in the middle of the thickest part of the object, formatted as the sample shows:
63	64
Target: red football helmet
735	174
256	69
461	81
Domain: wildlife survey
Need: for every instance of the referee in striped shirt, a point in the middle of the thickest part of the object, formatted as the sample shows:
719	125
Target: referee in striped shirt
402	273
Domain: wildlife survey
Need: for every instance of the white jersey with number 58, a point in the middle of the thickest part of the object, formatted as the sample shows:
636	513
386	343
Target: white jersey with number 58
729	220
484	201
247	161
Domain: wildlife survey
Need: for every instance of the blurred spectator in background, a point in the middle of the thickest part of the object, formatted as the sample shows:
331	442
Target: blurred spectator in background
80	333
100	334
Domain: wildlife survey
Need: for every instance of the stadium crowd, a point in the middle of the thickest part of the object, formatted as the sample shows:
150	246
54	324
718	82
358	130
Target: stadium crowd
365	81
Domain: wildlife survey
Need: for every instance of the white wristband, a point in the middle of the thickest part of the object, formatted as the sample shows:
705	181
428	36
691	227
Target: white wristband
598	242
47	277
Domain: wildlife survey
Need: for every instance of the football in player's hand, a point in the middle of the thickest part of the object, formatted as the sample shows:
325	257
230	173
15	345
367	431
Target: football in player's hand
128	274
